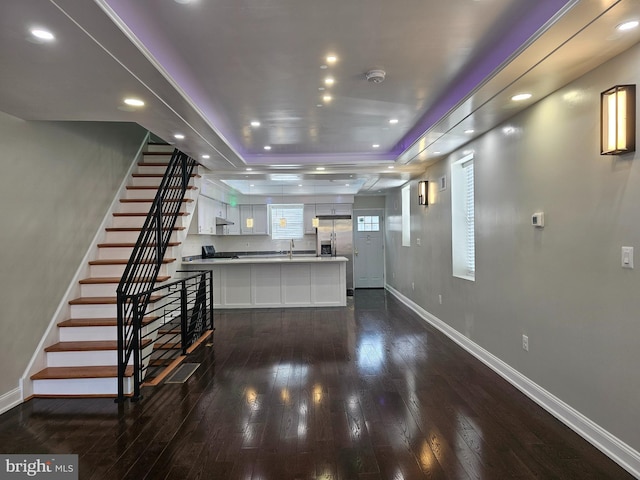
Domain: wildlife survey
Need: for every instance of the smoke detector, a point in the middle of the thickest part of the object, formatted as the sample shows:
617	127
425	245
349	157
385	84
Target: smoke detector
375	76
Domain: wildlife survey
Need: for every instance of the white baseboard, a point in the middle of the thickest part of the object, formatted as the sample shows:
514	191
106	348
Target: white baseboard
10	399
621	453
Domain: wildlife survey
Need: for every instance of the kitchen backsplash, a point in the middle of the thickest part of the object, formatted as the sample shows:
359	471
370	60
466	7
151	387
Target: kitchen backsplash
244	243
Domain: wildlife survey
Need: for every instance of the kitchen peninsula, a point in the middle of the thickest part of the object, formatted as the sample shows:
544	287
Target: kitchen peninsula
275	281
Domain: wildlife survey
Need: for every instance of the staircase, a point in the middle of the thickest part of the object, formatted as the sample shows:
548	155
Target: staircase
84	360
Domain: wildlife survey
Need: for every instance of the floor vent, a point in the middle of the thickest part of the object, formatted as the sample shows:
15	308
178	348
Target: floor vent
182	373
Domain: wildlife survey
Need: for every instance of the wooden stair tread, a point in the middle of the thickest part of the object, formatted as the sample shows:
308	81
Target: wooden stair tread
99	322
136	229
106	280
152	187
105	300
160	362
63	373
173	331
140	214
131	244
124	261
150	200
88	346
158	175
167	346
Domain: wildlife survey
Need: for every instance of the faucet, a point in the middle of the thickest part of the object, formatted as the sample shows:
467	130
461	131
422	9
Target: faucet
291	245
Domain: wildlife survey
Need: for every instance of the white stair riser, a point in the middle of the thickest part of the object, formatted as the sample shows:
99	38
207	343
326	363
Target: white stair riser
160	148
132	237
93	311
143	207
98	290
81	386
117	253
97	271
134	193
85	334
154	168
138	221
154	181
97	311
93	358
103	289
90	358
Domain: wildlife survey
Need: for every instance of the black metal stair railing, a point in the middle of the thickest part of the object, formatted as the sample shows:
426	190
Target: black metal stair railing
182	314
134	292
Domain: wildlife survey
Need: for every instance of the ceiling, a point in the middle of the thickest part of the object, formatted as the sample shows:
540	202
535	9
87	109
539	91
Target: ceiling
207	69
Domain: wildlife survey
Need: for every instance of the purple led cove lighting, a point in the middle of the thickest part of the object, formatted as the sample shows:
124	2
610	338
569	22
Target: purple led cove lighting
475	73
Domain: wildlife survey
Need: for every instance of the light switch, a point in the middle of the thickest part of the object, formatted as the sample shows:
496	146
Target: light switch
627	257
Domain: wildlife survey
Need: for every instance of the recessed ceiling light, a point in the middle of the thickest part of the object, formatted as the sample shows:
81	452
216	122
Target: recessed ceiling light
320	168
331	59
437	153
205	156
255	123
267	147
299	184
134	102
346	184
327	98
469	130
393	121
329	81
42	34
375	145
249	169
391	167
252	185
521	96
179	136
628	25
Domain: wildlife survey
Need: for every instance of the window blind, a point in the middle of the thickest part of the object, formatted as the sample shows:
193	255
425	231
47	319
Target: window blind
294	221
469	207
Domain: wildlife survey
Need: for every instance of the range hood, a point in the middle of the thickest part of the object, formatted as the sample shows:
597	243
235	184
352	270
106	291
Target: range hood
223	221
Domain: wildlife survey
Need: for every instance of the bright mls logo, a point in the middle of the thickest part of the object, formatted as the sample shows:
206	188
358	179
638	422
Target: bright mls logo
50	467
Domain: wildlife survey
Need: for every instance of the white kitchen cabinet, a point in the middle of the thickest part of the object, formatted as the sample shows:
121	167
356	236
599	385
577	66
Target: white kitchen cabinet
206	216
309	215
233	216
260	220
333	209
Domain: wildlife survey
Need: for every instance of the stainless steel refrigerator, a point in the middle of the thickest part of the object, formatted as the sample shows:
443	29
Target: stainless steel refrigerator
335	238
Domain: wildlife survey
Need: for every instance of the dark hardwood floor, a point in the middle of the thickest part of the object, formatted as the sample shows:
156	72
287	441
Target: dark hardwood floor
364	392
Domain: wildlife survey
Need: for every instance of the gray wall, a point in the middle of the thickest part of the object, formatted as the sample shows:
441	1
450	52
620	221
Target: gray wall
57	182
563	286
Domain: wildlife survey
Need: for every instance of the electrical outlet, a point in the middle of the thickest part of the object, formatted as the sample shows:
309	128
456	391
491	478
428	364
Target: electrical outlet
417	241
525	343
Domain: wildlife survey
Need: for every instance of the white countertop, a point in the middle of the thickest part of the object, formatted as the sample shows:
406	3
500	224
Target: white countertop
263	259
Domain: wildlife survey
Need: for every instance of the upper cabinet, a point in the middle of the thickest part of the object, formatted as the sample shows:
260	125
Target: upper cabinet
309	215
233	217
258	214
206	216
333	209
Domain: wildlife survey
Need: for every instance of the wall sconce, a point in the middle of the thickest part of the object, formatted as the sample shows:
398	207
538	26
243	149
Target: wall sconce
618	120
315	222
423	192
283	222
249	222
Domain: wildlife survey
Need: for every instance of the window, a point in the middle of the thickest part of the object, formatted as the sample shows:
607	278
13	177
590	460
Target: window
287	221
463	243
406	216
368	223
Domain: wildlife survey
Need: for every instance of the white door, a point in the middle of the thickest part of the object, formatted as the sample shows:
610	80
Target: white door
368	254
